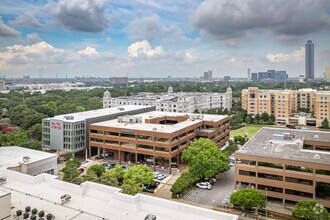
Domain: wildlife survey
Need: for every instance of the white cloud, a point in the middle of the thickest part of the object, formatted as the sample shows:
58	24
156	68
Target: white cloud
295	56
32	38
88	51
143	49
26	20
146	28
189	58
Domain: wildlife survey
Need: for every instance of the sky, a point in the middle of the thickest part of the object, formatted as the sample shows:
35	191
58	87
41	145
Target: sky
160	38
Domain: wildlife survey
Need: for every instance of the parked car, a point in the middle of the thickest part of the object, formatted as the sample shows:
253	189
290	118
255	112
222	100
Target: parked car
160	177
204	185
156	173
207	180
212	178
81	170
231	164
99	157
109	154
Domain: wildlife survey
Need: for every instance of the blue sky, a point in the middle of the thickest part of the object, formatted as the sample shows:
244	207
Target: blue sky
160	38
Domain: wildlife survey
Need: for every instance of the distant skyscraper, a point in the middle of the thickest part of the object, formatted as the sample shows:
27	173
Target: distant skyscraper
249	77
208	76
309	60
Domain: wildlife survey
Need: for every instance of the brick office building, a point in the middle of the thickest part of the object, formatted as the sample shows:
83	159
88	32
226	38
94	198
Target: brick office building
292	165
156	136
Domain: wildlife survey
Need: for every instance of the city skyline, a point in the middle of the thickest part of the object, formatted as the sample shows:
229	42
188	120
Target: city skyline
157	39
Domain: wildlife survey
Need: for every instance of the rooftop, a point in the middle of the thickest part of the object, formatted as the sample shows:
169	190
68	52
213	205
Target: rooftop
80	116
262	144
93	201
159	127
13	156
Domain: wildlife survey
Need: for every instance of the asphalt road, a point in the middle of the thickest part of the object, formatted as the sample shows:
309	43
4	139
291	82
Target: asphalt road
218	192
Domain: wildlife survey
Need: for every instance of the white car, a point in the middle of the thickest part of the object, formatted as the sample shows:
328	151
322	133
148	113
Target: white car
204	185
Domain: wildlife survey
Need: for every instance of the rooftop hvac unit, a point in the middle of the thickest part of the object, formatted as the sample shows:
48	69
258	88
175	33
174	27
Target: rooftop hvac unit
2	180
65	198
26	215
317	156
26	159
41	214
69	117
34	211
150	217
19	213
155	129
33	217
121	109
27	209
50	216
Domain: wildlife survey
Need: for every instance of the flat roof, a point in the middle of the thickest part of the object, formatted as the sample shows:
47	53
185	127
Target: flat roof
80	116
163	128
13	156
95	201
263	145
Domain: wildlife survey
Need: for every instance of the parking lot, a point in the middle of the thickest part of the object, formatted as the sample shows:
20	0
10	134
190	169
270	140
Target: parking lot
220	192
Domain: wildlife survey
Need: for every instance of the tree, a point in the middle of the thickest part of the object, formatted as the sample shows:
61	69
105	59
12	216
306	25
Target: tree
131	188
90	176
140	174
325	123
119	171
196	111
80	108
310	209
225	112
98	169
67	169
265	117
33	119
257	117
35	132
205	159
109	178
248	198
248	119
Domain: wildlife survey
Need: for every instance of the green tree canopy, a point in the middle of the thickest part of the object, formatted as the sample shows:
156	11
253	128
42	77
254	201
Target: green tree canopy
98	169
310	209
248	198
35	132
119	171
67	169
205	159
110	178
131	188
90	176
265	116
140	174
325	123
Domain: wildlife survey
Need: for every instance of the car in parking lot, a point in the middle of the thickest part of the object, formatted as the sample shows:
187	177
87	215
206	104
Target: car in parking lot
81	170
99	157
208	180
204	185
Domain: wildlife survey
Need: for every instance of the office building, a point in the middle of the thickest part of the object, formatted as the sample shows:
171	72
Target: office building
285	105
327	74
207	76
70	132
301	78
89	201
118	80
2	85
226	78
27	161
249	75
309	60
159	136
290	165
270	75
174	102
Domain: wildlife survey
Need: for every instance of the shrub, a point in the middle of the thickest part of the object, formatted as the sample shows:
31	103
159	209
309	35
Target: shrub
185	181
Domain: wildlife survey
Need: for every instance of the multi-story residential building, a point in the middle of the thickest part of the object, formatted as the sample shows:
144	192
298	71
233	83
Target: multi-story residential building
70	132
285	104
2	85
156	135
327	74
290	165
309	60
174	102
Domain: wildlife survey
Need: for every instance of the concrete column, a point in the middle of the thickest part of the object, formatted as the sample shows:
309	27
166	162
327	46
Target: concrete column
119	157
90	152
178	160
170	166
314	183
86	154
163	161
136	158
104	154
98	151
154	164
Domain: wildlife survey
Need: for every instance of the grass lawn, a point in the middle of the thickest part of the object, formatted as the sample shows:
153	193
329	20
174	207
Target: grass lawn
251	129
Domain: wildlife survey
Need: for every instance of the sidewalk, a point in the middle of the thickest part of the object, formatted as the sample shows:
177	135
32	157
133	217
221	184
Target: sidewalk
165	192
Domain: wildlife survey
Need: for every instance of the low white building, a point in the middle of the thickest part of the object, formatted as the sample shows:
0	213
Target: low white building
31	162
174	102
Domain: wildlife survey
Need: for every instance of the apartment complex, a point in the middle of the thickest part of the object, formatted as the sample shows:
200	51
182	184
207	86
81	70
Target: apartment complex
156	135
327	74
291	165
70	132
285	104
173	102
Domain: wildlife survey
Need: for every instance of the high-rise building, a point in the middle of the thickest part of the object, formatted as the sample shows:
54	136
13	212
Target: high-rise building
309	60
226	78
254	76
270	75
2	85
207	76
118	80
327	74
301	78
249	77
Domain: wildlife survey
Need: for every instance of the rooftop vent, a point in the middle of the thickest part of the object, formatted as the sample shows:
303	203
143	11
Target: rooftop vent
130	119
26	159
2	180
121	109
196	116
317	156
316	136
284	137
155	129
65	198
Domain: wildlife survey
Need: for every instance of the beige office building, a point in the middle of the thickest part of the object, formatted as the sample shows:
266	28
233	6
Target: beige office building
327	74
291	165
285	105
